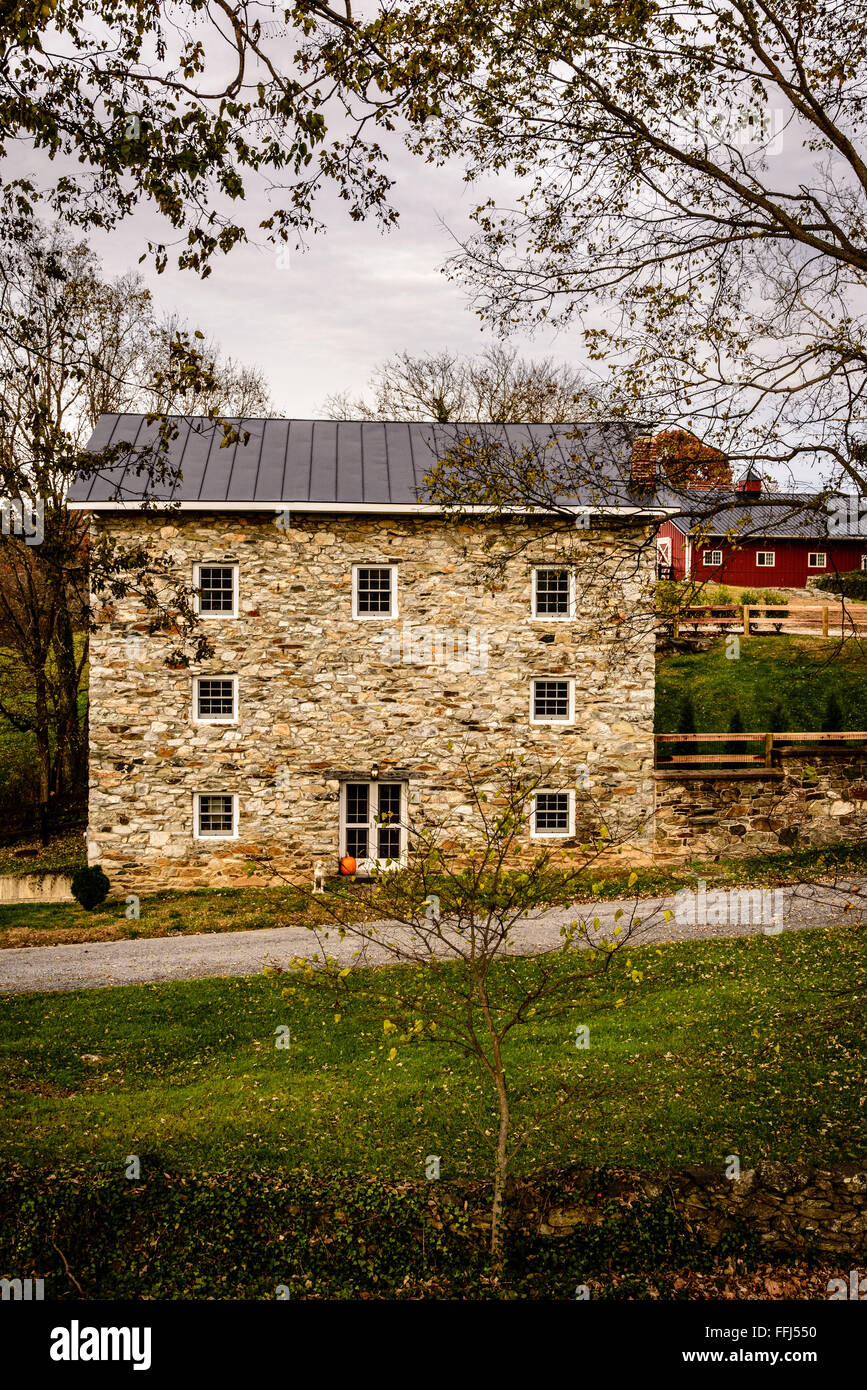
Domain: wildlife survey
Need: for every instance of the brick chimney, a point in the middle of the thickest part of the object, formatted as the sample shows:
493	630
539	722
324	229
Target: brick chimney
680	457
644	450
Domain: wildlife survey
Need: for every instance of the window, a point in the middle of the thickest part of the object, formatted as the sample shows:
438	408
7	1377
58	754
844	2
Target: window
374	591
372	826
218	590
552	593
864	562
816	560
215	699
551	702
216	816
553	813
765	559
711	557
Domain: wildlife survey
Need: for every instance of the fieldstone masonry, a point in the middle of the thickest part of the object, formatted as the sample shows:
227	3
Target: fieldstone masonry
789	1206
322	697
813	797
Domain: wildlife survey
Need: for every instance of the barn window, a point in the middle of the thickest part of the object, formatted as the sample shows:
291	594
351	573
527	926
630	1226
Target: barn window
553	814
816	560
216	816
552	593
552	701
711	557
765	559
374	591
864	562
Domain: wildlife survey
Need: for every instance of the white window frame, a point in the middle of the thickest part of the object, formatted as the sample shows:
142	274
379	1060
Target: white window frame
553	617
205	839
766	559
375	617
817	559
215	718
711	559
864	562
555	723
216	565
372	863
553	834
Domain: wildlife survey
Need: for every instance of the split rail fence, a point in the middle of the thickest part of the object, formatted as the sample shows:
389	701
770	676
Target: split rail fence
754	750
809	619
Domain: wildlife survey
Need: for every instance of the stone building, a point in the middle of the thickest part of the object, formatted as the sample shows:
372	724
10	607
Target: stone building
365	652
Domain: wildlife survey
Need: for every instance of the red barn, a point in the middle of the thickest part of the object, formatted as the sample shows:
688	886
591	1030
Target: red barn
762	539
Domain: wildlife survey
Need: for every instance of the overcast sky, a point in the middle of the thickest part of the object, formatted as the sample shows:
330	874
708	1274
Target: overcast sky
356	296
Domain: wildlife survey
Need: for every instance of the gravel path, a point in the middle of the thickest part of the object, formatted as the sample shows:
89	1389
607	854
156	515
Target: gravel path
33	968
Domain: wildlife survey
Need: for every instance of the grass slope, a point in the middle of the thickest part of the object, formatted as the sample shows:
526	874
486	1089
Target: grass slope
752	1046
796	674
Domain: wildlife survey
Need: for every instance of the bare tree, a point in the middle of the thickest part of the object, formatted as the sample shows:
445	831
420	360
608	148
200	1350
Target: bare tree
692	192
498	385
452	917
71	347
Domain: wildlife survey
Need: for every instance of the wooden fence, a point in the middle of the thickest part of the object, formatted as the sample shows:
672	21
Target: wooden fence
810	619
758	749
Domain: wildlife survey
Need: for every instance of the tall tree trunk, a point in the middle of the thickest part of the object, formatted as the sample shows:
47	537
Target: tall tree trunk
43	757
70	735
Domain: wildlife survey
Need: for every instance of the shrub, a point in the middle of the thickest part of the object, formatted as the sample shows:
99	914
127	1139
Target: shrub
850	585
90	887
832	720
748	596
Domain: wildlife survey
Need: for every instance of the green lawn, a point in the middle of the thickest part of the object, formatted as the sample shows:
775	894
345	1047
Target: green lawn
778	683
752	1046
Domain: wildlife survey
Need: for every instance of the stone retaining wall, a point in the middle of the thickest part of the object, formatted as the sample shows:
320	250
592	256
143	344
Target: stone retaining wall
808	799
790	1207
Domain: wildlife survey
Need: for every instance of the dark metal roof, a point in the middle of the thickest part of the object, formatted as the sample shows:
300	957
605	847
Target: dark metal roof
343	464
790	516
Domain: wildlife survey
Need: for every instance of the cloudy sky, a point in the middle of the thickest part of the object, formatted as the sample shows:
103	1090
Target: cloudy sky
357	295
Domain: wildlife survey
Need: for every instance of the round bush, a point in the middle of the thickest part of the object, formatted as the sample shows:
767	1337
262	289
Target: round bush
90	887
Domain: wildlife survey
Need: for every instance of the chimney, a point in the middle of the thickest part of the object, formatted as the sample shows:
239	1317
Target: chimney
643	474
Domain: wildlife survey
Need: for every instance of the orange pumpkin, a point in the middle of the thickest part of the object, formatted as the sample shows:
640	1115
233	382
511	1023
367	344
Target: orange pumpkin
348	864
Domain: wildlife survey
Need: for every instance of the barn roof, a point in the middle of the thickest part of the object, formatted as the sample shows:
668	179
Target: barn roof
327	465
788	516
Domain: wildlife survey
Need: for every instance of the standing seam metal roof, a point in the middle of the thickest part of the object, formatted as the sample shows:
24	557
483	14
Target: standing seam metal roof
346	462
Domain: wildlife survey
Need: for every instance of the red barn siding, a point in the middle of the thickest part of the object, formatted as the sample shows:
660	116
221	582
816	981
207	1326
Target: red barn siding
679	548
790	568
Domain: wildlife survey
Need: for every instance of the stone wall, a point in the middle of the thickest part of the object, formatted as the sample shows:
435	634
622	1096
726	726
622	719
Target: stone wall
790	1207
809	798
323	697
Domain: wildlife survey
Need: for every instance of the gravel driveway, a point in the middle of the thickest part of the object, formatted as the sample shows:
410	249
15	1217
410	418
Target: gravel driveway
106	963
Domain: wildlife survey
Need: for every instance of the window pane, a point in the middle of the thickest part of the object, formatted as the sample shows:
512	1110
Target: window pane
356	841
357	803
217	586
374	590
550	699
216	699
552	591
552	812
388	833
215	815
